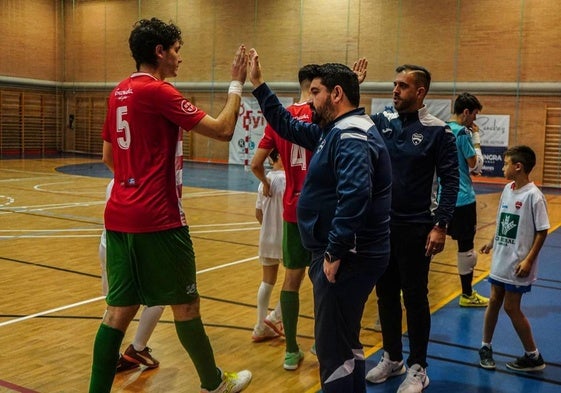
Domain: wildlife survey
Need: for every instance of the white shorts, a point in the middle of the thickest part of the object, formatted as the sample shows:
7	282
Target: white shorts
269	261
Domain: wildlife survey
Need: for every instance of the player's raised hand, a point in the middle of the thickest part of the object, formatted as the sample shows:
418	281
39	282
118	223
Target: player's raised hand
255	74
239	65
359	68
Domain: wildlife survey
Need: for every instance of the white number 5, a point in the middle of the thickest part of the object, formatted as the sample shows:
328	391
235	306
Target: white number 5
123	128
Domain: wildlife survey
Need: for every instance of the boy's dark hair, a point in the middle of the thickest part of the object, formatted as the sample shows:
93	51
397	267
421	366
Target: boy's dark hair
274	155
333	74
307	73
466	101
422	75
149	33
522	154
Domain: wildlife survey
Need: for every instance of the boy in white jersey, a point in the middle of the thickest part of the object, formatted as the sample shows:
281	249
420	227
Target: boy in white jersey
268	211
522	225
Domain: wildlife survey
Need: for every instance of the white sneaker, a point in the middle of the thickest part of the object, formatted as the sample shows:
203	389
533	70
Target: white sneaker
263	333
385	369
275	322
416	380
232	382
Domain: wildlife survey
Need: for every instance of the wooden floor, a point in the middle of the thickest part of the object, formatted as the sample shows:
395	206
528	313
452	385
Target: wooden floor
50	303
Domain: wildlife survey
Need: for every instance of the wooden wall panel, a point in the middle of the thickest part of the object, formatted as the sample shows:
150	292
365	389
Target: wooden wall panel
541	49
488	41
458	41
28	39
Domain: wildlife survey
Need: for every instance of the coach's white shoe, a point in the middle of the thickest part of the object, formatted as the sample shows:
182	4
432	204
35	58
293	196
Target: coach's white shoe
385	369
415	381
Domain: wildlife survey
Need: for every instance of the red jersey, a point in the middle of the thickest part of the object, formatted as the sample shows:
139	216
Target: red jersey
295	160
144	122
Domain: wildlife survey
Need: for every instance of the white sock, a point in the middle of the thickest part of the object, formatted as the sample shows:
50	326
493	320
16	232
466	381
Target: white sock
533	354
263	298
484	344
278	311
148	320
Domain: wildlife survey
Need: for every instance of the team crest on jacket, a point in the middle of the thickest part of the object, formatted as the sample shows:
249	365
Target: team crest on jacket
416	138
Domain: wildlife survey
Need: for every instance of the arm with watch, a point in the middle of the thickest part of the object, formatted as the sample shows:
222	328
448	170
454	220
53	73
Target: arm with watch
449	178
330	266
436	238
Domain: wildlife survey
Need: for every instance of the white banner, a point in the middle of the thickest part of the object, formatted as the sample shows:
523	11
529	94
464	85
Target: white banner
439	108
493	130
249	130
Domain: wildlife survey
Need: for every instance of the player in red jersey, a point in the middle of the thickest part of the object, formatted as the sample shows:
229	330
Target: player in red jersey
295	257
150	258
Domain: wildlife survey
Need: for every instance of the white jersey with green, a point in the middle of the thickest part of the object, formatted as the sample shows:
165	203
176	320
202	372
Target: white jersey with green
521	213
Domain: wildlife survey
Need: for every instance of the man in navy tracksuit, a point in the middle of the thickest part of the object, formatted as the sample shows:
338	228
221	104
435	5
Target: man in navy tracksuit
422	148
343	213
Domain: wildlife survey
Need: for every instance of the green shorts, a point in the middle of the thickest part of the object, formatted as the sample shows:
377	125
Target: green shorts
294	255
156	268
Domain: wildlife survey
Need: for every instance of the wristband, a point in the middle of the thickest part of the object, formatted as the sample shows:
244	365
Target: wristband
236	87
475	138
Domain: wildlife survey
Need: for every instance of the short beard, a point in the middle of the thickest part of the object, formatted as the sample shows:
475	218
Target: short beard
323	119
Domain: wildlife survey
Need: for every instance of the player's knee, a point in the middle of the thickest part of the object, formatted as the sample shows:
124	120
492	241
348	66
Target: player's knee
466	262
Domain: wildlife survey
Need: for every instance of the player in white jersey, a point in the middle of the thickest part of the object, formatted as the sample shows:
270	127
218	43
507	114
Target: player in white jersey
268	211
522	225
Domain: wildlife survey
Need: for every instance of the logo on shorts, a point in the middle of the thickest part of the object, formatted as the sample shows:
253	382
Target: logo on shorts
191	289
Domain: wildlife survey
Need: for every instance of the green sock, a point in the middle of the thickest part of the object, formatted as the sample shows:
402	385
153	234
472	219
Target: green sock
195	341
290	305
105	356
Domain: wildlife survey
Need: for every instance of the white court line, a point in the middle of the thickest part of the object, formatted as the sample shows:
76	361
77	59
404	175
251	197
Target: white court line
99	230
95	299
39	314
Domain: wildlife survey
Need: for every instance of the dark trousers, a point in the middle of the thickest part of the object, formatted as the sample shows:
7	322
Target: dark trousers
338	310
408	271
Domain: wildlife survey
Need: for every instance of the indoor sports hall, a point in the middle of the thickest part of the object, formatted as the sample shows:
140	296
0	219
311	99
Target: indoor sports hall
62	59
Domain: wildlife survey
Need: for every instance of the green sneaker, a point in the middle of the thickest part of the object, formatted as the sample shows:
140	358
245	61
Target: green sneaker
292	360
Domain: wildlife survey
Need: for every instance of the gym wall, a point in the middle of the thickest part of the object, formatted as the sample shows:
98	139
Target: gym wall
73	52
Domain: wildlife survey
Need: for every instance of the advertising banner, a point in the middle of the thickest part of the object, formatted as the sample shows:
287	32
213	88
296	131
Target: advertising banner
249	130
494	130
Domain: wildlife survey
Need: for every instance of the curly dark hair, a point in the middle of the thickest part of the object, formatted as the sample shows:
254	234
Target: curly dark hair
149	33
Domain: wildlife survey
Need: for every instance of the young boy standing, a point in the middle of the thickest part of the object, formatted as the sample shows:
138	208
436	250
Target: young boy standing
522	225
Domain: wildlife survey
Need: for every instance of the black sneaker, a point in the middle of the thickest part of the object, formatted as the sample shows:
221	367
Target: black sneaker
486	358
526	363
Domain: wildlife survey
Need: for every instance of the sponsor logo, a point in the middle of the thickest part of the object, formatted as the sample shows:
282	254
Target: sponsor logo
518	204
123	94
